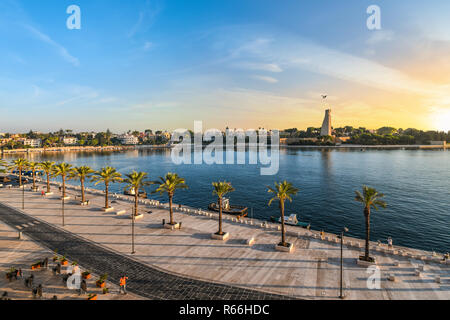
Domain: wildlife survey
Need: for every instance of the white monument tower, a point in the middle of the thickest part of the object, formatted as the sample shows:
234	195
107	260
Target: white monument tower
326	125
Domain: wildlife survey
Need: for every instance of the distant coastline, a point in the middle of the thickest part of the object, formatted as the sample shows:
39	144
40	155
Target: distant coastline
354	146
78	149
140	147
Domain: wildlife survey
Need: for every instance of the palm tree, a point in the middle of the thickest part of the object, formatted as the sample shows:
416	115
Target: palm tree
33	167
81	173
107	175
47	166
135	181
62	170
19	165
283	191
169	184
221	189
370	198
4	165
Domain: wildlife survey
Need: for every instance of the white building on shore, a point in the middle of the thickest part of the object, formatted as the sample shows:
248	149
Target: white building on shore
70	141
128	139
34	143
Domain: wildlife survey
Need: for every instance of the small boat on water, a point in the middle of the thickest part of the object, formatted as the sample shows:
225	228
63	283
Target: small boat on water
131	192
227	208
291	221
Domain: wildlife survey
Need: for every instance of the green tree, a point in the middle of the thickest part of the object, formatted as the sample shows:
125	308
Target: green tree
82	173
47	166
19	165
370	198
34	166
169	184
62	170
107	175
221	189
3	166
283	191
135	181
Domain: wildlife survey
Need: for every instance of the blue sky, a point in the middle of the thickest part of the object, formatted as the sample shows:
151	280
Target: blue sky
243	63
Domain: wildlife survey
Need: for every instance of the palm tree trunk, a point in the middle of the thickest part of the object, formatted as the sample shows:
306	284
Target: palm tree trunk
220	216
106	196
136	197
34	180
63	186
48	182
83	199
367	216
283	228
20	177
170	209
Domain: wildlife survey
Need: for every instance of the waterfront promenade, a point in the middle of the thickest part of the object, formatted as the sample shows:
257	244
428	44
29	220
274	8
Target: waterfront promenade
23	253
310	272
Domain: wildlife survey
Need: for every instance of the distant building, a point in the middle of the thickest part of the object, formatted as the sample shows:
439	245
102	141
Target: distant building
70	141
326	125
34	143
128	139
4	141
438	143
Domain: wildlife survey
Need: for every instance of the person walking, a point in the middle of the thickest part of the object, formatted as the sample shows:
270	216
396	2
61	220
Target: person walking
83	287
123	285
39	291
390	245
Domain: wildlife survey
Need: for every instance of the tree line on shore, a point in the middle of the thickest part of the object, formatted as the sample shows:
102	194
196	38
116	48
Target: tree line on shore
282	191
363	136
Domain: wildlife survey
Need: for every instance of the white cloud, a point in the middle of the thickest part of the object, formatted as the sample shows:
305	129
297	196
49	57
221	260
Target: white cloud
379	36
61	50
147	45
269	67
265	79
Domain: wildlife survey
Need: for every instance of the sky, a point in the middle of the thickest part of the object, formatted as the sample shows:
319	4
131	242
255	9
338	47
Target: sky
154	64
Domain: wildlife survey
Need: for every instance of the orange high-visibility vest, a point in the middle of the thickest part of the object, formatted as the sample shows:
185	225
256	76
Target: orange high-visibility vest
123	281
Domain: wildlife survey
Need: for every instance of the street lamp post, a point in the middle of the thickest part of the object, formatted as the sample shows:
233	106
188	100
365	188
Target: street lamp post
62	209
342	262
133	215
23	197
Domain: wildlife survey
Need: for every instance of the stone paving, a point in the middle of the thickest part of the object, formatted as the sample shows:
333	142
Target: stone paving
310	272
21	254
144	280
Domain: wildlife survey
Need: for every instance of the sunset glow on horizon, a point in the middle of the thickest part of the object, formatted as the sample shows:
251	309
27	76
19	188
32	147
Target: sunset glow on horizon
243	64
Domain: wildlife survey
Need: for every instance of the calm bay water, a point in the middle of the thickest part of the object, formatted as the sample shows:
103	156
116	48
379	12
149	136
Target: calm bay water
416	184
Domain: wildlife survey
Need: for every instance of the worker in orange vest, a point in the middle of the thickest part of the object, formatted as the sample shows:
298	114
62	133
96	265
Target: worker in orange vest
123	285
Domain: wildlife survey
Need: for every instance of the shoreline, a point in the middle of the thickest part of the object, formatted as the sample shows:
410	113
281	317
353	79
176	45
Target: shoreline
265	224
79	149
282	146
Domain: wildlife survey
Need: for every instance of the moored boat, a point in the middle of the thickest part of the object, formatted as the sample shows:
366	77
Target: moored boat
291	221
227	208
131	192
